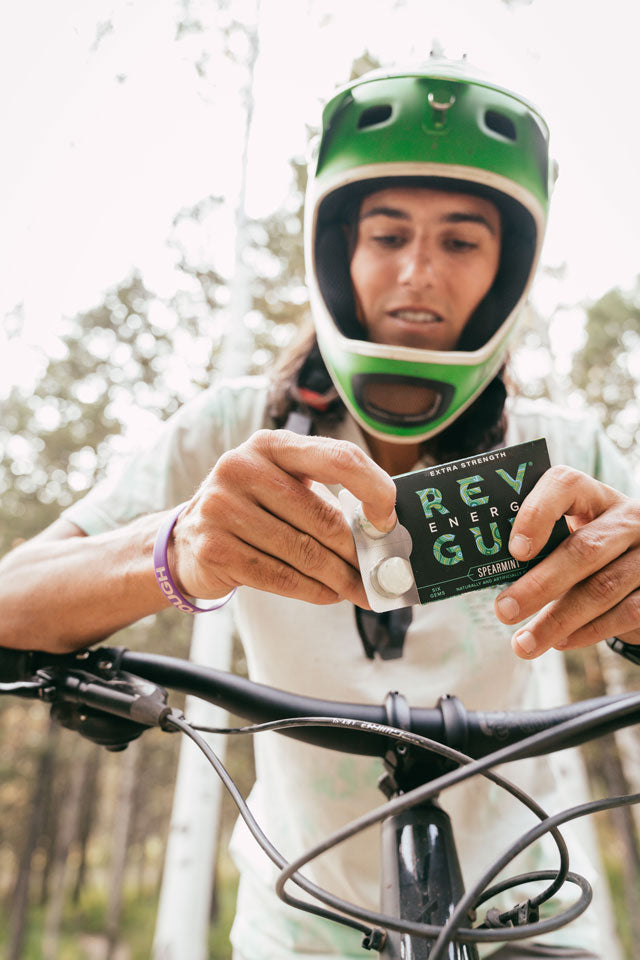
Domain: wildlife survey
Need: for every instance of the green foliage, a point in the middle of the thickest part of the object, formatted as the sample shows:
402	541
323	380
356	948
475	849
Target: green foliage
276	256
81	935
56	440
606	368
612	860
225	904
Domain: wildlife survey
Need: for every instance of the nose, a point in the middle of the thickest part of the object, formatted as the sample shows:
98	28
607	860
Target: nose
418	268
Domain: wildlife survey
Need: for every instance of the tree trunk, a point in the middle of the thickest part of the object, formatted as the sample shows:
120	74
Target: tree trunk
86	816
121	833
238	340
183	917
67	833
41	792
46	844
621	819
594	674
187	885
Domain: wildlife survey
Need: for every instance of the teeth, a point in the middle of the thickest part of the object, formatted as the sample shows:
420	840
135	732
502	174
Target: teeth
417	316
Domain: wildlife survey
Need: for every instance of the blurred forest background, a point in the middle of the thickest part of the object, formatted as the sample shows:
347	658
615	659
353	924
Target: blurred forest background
82	832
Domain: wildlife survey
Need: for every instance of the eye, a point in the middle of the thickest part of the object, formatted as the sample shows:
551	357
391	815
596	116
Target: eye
390	241
459	245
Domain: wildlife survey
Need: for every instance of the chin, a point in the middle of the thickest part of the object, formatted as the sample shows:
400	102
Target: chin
418	340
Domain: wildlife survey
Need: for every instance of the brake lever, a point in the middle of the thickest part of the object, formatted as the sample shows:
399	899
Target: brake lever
630	651
110	712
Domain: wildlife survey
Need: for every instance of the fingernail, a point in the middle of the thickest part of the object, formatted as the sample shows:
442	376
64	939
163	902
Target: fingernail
390	522
525	642
520	546
375	533
508	608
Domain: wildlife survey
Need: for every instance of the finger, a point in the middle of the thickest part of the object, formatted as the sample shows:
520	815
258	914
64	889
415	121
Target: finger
612	624
253	568
629	636
333	461
621	621
209	564
273	537
577	617
284	496
230	514
584	552
561	491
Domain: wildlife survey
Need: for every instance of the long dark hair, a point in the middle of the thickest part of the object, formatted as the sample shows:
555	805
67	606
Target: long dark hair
482	426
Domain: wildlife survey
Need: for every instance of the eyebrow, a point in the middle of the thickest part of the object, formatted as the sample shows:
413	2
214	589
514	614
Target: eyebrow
455	217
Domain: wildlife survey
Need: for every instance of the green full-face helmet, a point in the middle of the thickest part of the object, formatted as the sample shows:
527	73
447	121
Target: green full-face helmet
440	127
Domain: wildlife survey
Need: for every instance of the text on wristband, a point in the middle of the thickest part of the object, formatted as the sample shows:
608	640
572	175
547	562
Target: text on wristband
173	598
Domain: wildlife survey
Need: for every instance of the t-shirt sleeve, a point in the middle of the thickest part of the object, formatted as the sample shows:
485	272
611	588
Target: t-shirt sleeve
170	469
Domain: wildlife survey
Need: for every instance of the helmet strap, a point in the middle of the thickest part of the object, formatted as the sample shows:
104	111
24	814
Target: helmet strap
314	387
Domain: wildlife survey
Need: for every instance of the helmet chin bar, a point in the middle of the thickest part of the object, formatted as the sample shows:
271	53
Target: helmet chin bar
404	406
406	395
391	435
399	400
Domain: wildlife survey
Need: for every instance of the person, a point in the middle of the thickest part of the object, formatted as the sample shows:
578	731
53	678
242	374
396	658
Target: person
424	222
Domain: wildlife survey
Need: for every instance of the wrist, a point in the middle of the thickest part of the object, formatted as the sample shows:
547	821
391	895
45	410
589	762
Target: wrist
172	558
164	556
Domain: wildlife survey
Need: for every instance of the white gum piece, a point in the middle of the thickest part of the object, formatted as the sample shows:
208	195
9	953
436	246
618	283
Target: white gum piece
393	576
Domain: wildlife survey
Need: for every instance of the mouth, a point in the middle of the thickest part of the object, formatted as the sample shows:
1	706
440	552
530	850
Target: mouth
414	315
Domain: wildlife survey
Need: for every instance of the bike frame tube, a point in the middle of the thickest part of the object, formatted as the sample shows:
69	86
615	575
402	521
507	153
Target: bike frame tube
421	879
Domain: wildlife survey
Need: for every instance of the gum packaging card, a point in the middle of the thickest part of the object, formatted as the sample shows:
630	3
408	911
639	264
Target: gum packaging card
454	524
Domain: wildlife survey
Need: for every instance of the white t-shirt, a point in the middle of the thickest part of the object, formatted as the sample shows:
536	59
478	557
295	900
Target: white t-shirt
454	646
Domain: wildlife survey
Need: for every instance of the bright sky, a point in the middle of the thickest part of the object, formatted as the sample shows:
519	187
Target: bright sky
107	132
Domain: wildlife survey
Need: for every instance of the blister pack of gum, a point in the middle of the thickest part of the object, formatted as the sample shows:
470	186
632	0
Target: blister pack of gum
454	524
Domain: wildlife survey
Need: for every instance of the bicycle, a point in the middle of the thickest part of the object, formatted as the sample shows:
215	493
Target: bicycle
112	695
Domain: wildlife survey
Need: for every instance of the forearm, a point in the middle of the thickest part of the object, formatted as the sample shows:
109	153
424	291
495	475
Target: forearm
255	521
62	594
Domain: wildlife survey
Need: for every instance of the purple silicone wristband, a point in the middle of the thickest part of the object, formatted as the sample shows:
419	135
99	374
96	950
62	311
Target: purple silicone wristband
163	574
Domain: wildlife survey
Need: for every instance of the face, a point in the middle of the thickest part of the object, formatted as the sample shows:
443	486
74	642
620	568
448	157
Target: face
423	261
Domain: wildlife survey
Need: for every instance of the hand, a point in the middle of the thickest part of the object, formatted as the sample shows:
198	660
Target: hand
256	521
586	590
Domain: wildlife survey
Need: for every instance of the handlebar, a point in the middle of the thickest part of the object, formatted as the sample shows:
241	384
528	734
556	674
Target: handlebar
105	679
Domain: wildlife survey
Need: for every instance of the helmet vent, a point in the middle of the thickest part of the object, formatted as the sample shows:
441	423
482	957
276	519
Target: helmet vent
501	124
372	116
